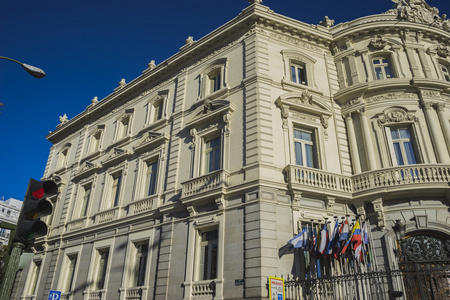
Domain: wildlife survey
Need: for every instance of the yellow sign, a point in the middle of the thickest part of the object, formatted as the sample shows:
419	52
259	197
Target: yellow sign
276	288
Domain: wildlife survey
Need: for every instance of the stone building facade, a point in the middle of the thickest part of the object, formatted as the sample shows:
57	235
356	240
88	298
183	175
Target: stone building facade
187	181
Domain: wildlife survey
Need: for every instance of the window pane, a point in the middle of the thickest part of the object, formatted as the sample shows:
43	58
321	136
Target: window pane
298	154
379	73
294	76
309	156
404	133
409	151
395	135
151	178
297	134
302	75
388	71
398	154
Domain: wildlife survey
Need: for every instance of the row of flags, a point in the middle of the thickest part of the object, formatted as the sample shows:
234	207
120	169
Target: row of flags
341	243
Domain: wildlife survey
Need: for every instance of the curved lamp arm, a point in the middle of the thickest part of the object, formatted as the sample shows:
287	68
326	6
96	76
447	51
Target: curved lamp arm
33	71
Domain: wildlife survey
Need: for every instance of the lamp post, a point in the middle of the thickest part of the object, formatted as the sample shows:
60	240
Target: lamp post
400	232
33	71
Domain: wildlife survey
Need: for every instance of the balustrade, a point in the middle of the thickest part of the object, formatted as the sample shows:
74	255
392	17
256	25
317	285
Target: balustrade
203	289
209	182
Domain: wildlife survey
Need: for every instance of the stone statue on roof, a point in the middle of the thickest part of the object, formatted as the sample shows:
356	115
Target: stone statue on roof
420	12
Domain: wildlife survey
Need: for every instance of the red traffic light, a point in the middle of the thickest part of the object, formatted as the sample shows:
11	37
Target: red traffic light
40	189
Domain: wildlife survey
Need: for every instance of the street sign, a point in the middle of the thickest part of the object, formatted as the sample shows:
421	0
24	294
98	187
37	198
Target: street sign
276	288
54	295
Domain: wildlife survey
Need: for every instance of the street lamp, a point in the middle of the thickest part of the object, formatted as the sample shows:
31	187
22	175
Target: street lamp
400	232
33	71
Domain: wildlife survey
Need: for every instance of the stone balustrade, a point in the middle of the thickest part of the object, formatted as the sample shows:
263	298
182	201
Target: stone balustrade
133	293
205	288
209	182
142	205
76	224
106	216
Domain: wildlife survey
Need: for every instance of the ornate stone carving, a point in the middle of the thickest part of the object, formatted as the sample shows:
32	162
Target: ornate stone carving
94	100
420	12
122	82
226	120
378	43
324	121
306	98
63	119
378	207
296	201
151	65
220	202
189	40
330	201
207	106
425	247
396	114
351	103
431	94
442	51
191	210
326	22
392	96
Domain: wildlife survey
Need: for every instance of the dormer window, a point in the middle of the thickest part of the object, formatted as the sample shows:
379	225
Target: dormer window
124	124
298	69
383	68
213	80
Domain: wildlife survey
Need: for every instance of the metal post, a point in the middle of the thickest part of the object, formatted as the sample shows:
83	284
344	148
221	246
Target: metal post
11	270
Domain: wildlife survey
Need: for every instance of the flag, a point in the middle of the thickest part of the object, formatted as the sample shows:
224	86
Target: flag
323	239
333	239
313	244
356	235
365	234
299	241
344	231
359	252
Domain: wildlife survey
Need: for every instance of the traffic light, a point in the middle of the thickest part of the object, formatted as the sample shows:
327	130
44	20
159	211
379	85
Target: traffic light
35	206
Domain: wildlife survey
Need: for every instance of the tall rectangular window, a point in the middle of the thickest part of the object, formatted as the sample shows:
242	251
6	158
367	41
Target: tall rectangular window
101	268
95	142
382	67
445	72
212	155
403	146
298	74
85	200
157	111
123	127
70	273
151	178
207	260
305	148
140	264
62	159
115	189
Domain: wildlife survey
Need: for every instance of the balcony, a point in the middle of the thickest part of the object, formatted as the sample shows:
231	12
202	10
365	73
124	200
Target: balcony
394	179
213	182
106	216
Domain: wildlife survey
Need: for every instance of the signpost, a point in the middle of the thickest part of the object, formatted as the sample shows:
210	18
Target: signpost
276	288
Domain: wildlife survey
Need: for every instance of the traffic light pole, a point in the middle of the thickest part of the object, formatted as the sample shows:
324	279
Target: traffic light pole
11	270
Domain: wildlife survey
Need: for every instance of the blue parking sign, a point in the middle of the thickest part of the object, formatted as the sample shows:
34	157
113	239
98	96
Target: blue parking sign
54	295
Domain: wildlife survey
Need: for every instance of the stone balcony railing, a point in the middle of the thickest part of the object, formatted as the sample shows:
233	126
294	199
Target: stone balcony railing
203	289
143	205
106	216
393	178
217	180
76	224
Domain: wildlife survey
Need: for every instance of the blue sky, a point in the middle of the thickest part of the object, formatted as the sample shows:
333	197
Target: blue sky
87	46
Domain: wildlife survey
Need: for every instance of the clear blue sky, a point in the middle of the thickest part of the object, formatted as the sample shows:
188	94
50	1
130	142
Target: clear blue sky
87	46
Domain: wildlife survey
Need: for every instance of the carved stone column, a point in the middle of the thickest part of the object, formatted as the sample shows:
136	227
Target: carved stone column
353	145
370	153
444	122
412	61
434	128
425	66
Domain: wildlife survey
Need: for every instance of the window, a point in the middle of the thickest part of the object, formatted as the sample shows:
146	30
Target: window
151	178
157	111
298	73
123	127
403	147
207	255
382	68
95	142
140	265
34	276
86	195
62	159
305	148
115	189
212	159
214	81
100	271
445	72
70	273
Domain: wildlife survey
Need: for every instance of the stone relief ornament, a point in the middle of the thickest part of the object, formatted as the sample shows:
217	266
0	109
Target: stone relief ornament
396	114
306	97
443	51
207	106
420	12
378	43
63	119
326	22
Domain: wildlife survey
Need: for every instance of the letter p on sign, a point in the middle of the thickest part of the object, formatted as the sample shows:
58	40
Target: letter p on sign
54	295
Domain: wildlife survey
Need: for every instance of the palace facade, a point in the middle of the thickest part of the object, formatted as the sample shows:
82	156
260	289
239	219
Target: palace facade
186	182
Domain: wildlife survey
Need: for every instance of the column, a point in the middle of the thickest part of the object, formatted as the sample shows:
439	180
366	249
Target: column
423	60
434	128
353	145
367	140
353	69
444	122
412	61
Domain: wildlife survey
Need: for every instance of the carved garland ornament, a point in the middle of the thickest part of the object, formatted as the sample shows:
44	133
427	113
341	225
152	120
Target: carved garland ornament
393	115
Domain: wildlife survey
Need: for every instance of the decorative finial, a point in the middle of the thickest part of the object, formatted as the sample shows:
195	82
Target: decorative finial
122	83
326	22
94	100
151	64
255	1
189	40
63	119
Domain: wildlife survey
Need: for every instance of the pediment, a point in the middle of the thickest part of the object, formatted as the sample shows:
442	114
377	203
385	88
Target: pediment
210	111
116	155
86	169
151	140
304	102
